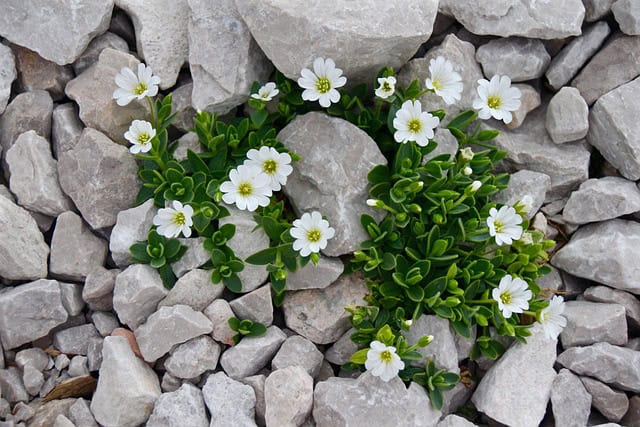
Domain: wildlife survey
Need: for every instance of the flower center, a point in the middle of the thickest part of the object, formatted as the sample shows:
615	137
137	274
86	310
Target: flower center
179	219
498	225
546	315
143	138
140	88
323	85
245	189
436	84
314	235
505	297
269	166
386	87
386	356
414	125
494	101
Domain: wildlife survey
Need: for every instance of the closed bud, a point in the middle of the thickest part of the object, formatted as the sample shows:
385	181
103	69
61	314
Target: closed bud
415	186
414	208
475	186
466	154
280	274
467	171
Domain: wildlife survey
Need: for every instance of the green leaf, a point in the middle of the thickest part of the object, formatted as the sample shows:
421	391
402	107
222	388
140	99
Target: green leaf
379	173
263	257
234	323
197	164
359	357
462	120
168	277
233	283
258	117
415	293
158	262
139	252
436	398
257	330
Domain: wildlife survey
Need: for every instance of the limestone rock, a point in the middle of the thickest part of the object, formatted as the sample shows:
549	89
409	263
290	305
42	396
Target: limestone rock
315	276
132	225
183	407
78	367
340	352
608	295
36	73
181	105
219	312
257	383
193	289
193	358
529	101
104	322
219	391
80	414
194	257
611	403
90	55
7	75
298	351
627	14
256	306
75	340
66	128
252	353
602	199
71	295
520	59
11	385
32	356
570	401
455	421
611	326
288	395
632	417
32	380
137	292
567	116
596	9
525	183
98	289
443	347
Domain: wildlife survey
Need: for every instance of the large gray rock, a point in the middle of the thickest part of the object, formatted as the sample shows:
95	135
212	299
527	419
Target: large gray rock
127	387
611	326
252	353
520	59
442	349
36	73
604	252
75	340
29	312
611	403
11	385
136	294
193	358
219	313
7	75
255	306
614	127
66	128
315	276
525	183
629	302
183	407
342	402
90	55
360	39
340	352
627	14
601	199
100	176
37	24
23	251
98	289
288	395
35	357
516	389
193	289
570	401
298	351
230	402
132	225
567	116
332	175
195	256
219	86
167	53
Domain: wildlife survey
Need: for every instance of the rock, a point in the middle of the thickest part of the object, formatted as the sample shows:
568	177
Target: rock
98	288
122	332
570	401
165	54
23	412
442	349
611	326
104	322
611	403
216	87
32	380
75	340
62	362
170	383
256	306
614	126
194	257
7	76
288	395
66	128
36	73
181	105
335	185
132	225
340	352
632	417
193	289
62	421
567	116
32	356
78	366
219	313
93	91
315	276
596	9
47	412
603	252
252	353
608	295
520	59
615	366
188	141
298	351
127	387
601	199
75	250
219	391
529	101
455	421
11	385
385	35
71	295
566	64
627	14
525	183
97	45
100	177
80	414
521	381
319	314
29	312
341	402
193	358
183	407
245	242
137	292
526	18
257	383
170	326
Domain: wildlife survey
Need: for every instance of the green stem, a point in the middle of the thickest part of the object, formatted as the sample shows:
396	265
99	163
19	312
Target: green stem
530	313
152	111
422	92
481	301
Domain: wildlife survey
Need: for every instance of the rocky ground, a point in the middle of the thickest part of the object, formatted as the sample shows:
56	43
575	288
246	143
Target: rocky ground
87	338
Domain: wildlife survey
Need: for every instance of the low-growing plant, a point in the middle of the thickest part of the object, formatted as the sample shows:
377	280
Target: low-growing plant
245	328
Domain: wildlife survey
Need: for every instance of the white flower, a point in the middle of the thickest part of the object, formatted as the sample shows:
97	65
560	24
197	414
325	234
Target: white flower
277	166
445	82
524	205
475	186
512	295
266	92
382	361
132	87
247	187
467	171
140	134
387	87
412	124
467	154
551	318
173	221
497	98
321	84
504	225
311	233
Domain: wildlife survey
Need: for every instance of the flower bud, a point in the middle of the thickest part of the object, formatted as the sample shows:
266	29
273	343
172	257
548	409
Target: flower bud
466	154
475	186
527	238
524	206
408	323
414	208
467	171
280	274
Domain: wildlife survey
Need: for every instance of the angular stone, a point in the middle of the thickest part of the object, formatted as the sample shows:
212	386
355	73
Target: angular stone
127	387
188	141
319	314
193	289
601	199
98	289
611	326
194	257
613	365
36	73
193	358
567	116
525	183
137	292
252	353
170	326
132	225
520	381
183	407
75	250
104	322
614	127
288	395
181	105
7	75
257	383
298	351
340	352
256	306
218	391
32	380
62	421
520	59
376	34
596	9
11	385
315	276
47	412
604	252
80	414
632	417
219	313
32	356
62	362
97	45
341	402
93	91
611	403
614	296
29	312
78	367
442	349
627	14
570	401
75	340
71	295
66	128
529	101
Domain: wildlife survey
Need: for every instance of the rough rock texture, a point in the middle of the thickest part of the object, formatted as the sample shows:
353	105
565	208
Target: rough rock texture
183	407
315	276
298	351
66	128
71	294
596	9
611	403
75	340
611	326
256	306
601	199
252	353
127	387
570	401
132	225
37	23
523	183
443	347
7	75
32	356
604	252
340	352
567	116
193	289
614	127
80	414
97	45
627	14
137	291
375	34
104	322
608	295
181	105
229	401
98	289
520	59
219	312
11	385
36	73
257	383
194	257
193	358
332	175
529	101
455	421
288	395
100	177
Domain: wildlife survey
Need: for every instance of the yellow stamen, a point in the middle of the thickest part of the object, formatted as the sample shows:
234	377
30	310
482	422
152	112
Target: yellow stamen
386	87
143	138
505	297
498	225
140	88
314	235
245	189
386	356
269	167
494	101
323	85
179	219
436	84
414	125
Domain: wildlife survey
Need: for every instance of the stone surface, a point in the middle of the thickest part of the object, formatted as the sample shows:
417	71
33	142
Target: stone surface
132	225
632	417
340	352
614	125
193	289
341	402
602	199
567	116
71	295
229	401
183	407
75	250
613	365
90	55
32	356
66	128
137	292
604	252
257	383
11	385
525	183
288	395
80	414
627	14
219	312
78	367
298	351
442	349
127	387
520	59
193	358
181	105
194	257
611	403
611	326
319	314
75	340
93	91
315	276
570	401
188	141
7	75
29	312
252	353
62	421
104	322
98	289
23	251
32	380
36	73
596	9
529	101
608	295
256	306
516	389
455	421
